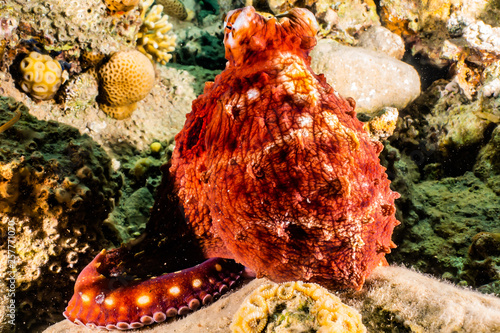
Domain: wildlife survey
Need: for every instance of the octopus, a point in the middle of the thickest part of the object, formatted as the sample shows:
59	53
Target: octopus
272	171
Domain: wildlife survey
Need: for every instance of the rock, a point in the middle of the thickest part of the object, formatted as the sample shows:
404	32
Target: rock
428	26
378	38
373	79
487	166
440	219
443	125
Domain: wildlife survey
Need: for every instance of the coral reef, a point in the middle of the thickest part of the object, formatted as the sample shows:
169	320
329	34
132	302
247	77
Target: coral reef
41	76
56	188
73	28
445	31
278	175
295	307
153	38
126	78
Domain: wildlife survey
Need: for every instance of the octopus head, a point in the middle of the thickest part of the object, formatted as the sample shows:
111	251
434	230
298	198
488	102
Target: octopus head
250	35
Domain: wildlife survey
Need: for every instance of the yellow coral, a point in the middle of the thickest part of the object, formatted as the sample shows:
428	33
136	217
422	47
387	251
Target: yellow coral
121	5
295	307
41	76
125	79
153	38
174	8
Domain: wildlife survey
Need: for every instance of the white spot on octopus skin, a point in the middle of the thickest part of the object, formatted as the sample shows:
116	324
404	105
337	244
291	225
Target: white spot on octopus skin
85	298
174	291
197	283
143	300
252	94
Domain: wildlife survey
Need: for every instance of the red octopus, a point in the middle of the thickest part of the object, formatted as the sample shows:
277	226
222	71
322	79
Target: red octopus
272	169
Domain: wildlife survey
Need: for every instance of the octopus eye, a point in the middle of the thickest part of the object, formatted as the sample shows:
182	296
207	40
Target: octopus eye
228	27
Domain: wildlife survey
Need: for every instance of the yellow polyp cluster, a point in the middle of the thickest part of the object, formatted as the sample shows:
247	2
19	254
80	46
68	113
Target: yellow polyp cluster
154	38
295	307
121	5
41	76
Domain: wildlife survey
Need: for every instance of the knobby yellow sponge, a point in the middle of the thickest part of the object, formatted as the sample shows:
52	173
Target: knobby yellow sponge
126	78
41	76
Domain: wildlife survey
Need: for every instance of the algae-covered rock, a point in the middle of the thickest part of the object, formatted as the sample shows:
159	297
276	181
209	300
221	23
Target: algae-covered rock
56	188
440	222
487	166
443	125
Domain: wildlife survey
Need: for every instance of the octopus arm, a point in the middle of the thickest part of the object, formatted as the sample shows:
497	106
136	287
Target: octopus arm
124	302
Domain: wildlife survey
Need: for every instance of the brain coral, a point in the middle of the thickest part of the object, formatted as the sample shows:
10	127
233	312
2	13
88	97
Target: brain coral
295	307
56	188
174	8
41	75
126	78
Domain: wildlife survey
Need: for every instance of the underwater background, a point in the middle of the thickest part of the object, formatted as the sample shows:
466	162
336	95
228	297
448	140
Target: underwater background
80	151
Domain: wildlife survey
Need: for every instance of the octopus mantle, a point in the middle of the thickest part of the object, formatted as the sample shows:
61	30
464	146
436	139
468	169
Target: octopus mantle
272	169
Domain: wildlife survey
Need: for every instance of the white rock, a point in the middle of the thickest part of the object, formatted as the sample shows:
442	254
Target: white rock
373	79
381	39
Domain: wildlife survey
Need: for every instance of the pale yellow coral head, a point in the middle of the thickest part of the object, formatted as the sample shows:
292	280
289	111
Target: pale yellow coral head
125	79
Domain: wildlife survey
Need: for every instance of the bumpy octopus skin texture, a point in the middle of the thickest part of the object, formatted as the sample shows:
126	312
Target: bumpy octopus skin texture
272	169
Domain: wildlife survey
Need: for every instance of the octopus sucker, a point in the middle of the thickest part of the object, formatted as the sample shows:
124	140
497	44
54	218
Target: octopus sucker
272	171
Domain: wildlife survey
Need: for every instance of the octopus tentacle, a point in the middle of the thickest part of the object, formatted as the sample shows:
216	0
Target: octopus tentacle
123	302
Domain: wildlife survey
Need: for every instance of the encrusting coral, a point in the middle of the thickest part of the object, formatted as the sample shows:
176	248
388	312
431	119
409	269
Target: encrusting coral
11	122
126	78
56	188
153	38
41	75
295	307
